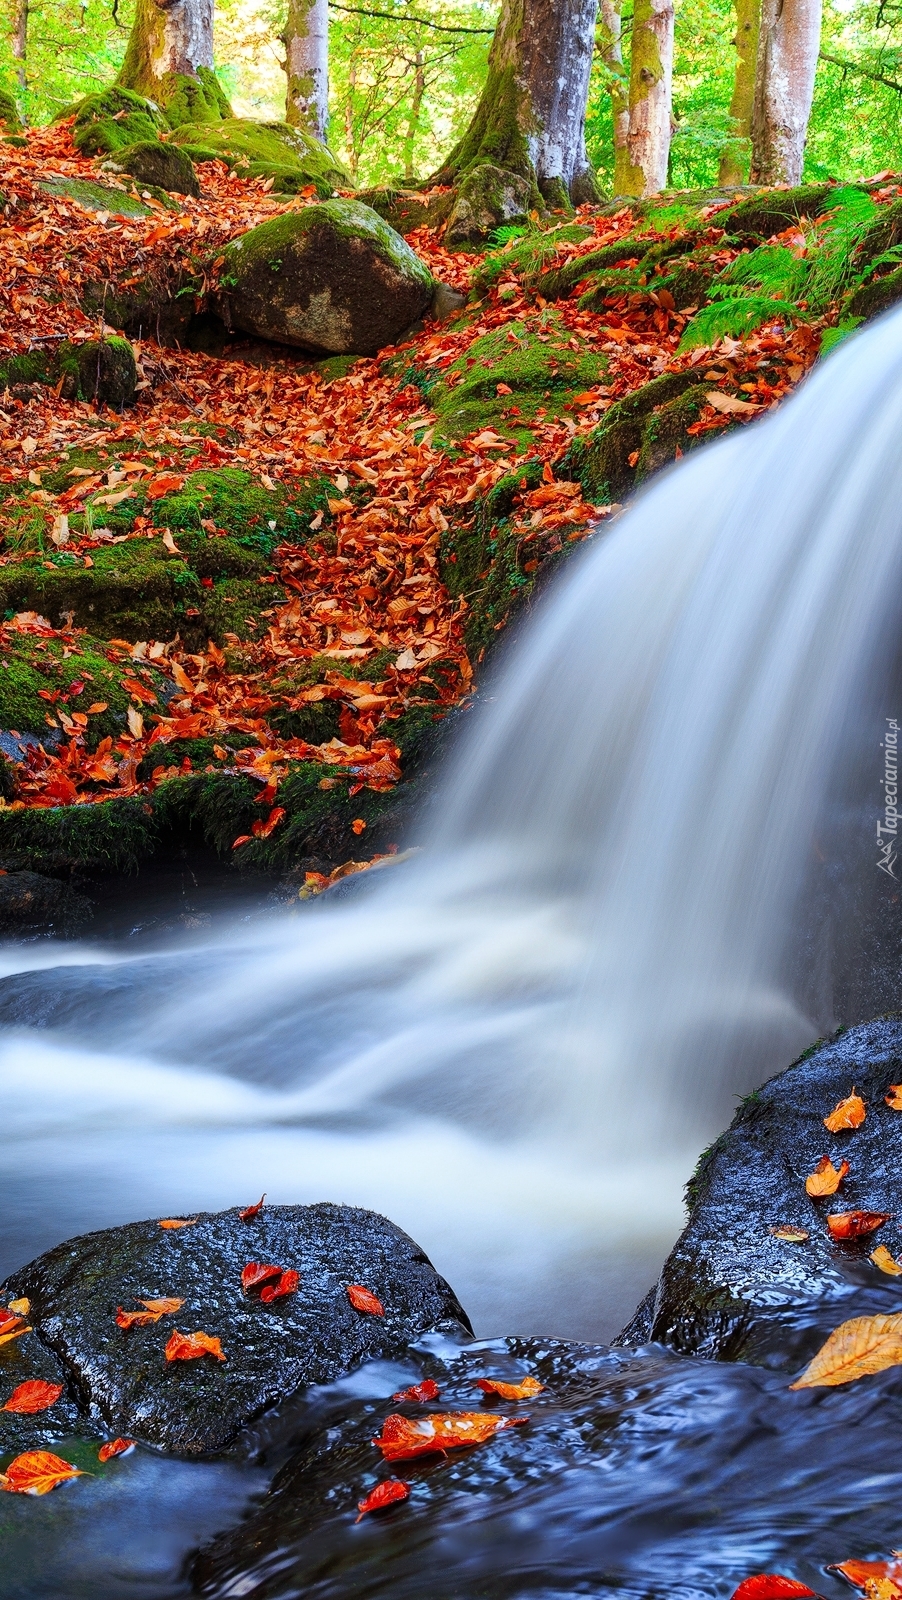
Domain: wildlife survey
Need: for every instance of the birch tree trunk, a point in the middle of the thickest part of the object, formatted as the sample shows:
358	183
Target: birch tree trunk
651	90
784	87
169	59
611	47
735	157
306	39
531	116
19	42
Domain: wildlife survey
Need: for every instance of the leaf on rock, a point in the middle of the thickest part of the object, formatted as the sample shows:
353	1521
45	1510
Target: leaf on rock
362	1300
887	1263
287	1284
12	1326
152	1312
771	1586
789	1232
19	1308
403	1438
419	1393
511	1391
256	1272
32	1396
894	1097
855	1349
826	1179
37	1472
178	1222
115	1447
852	1224
850	1113
189	1346
250	1212
384	1494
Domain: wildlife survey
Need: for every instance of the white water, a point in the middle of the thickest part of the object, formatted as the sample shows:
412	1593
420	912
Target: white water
516	1044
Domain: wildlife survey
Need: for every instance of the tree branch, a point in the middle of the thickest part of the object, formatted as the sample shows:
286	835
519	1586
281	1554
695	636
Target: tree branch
861	72
393	16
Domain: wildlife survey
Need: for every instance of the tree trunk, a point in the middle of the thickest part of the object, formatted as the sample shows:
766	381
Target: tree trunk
350	142
531	116
19	42
736	154
413	121
784	87
651	83
169	59
612	55
307	64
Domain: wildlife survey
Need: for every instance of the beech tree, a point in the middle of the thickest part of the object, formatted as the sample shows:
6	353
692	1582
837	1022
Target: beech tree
19	41
610	48
531	116
650	97
306	40
169	58
787	54
735	156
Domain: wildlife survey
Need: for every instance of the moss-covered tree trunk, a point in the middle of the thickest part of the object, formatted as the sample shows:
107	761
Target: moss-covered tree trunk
19	41
611	50
307	64
531	116
735	157
784	87
169	59
651	88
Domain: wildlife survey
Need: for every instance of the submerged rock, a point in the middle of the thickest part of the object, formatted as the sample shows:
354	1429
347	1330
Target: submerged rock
122	1378
332	279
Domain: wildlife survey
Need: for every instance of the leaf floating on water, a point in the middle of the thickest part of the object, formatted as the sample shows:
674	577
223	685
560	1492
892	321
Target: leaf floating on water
115	1447
37	1472
153	1311
894	1097
287	1284
178	1222
855	1349
853	1224
790	1233
250	1212
826	1179
190	1346
511	1391
403	1438
362	1300
256	1273
384	1494
32	1396
887	1263
879	1580
419	1393
771	1586
850	1113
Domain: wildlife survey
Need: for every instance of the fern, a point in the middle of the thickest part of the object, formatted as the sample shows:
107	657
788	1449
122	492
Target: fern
734	317
831	337
508	231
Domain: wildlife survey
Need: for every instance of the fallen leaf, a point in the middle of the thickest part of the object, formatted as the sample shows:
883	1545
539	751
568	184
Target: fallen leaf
850	1113
358	825
855	1349
12	1326
894	1098
402	1438
115	1447
169	484
19	1308
255	1273
866	1575
791	1234
852	1224
419	1393
152	1312
887	1263
37	1472
729	404
189	1346
135	723
384	1494
249	1211
826	1179
511	1391
362	1300
771	1586
287	1284
32	1396
178	1222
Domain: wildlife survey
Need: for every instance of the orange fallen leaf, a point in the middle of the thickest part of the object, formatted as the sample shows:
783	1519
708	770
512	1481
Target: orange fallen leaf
178	1222
894	1098
850	1113
287	1284
771	1586
358	825
511	1391
866	1574
12	1325
169	484
419	1393
852	1224
115	1447
152	1312
855	1349
256	1273
32	1396
189	1346
384	1494
362	1300
788	1232
402	1438
887	1263
37	1472
250	1212
826	1179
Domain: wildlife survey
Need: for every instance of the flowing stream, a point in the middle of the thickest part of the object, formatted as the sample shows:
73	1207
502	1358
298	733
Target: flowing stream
651	881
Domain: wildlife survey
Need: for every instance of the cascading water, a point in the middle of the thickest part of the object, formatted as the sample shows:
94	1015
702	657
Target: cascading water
652	873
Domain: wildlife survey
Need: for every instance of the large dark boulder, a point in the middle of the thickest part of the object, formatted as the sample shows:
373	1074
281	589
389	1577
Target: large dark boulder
122	1380
733	1291
333	279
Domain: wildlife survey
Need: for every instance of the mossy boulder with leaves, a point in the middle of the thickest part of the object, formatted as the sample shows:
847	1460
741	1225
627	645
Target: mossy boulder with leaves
487	198
113	119
264	149
646	427
164	166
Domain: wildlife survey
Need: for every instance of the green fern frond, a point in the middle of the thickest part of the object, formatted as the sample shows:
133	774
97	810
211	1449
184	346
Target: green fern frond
772	268
734	318
831	337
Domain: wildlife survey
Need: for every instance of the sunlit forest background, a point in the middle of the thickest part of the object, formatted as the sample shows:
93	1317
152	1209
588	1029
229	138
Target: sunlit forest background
403	86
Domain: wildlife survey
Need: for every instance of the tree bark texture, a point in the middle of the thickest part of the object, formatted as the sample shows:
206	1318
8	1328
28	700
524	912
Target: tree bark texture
611	47
651	91
784	87
19	42
168	37
531	116
307	64
735	158
413	121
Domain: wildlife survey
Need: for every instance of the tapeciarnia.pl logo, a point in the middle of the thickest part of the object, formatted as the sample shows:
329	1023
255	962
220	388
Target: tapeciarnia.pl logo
888	828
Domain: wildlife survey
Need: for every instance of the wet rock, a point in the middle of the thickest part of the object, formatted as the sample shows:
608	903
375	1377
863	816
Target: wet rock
487	198
732	1291
31	903
334	279
21	1361
606	461
163	165
123	1380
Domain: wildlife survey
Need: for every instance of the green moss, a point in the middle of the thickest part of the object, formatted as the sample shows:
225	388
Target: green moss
10	120
33	366
104	370
481	560
665	431
265	146
96	196
161	166
772	210
263	248
600	461
199	101
528	257
32	669
872	298
107	122
112	838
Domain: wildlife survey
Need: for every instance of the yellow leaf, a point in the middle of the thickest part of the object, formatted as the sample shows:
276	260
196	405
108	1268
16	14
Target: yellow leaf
20	1307
887	1263
135	723
855	1349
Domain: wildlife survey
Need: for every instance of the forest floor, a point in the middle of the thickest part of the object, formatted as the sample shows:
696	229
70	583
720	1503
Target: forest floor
235	611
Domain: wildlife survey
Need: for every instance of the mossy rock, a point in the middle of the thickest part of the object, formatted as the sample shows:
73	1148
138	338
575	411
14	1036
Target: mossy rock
871	299
112	120
104	370
884	234
481	560
600	461
10	120
771	210
407	209
199	101
487	198
664	434
527	258
267	147
39	676
556	283
96	196
164	166
687	278
332	279
156	307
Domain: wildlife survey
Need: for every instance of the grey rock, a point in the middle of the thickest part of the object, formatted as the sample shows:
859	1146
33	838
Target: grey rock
446	302
487	197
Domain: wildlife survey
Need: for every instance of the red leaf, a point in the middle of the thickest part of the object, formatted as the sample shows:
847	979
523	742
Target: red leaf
37	1472
771	1586
420	1393
287	1284
255	1273
115	1447
362	1300
33	1395
384	1494
189	1346
252	1211
170	483
852	1224
403	1438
